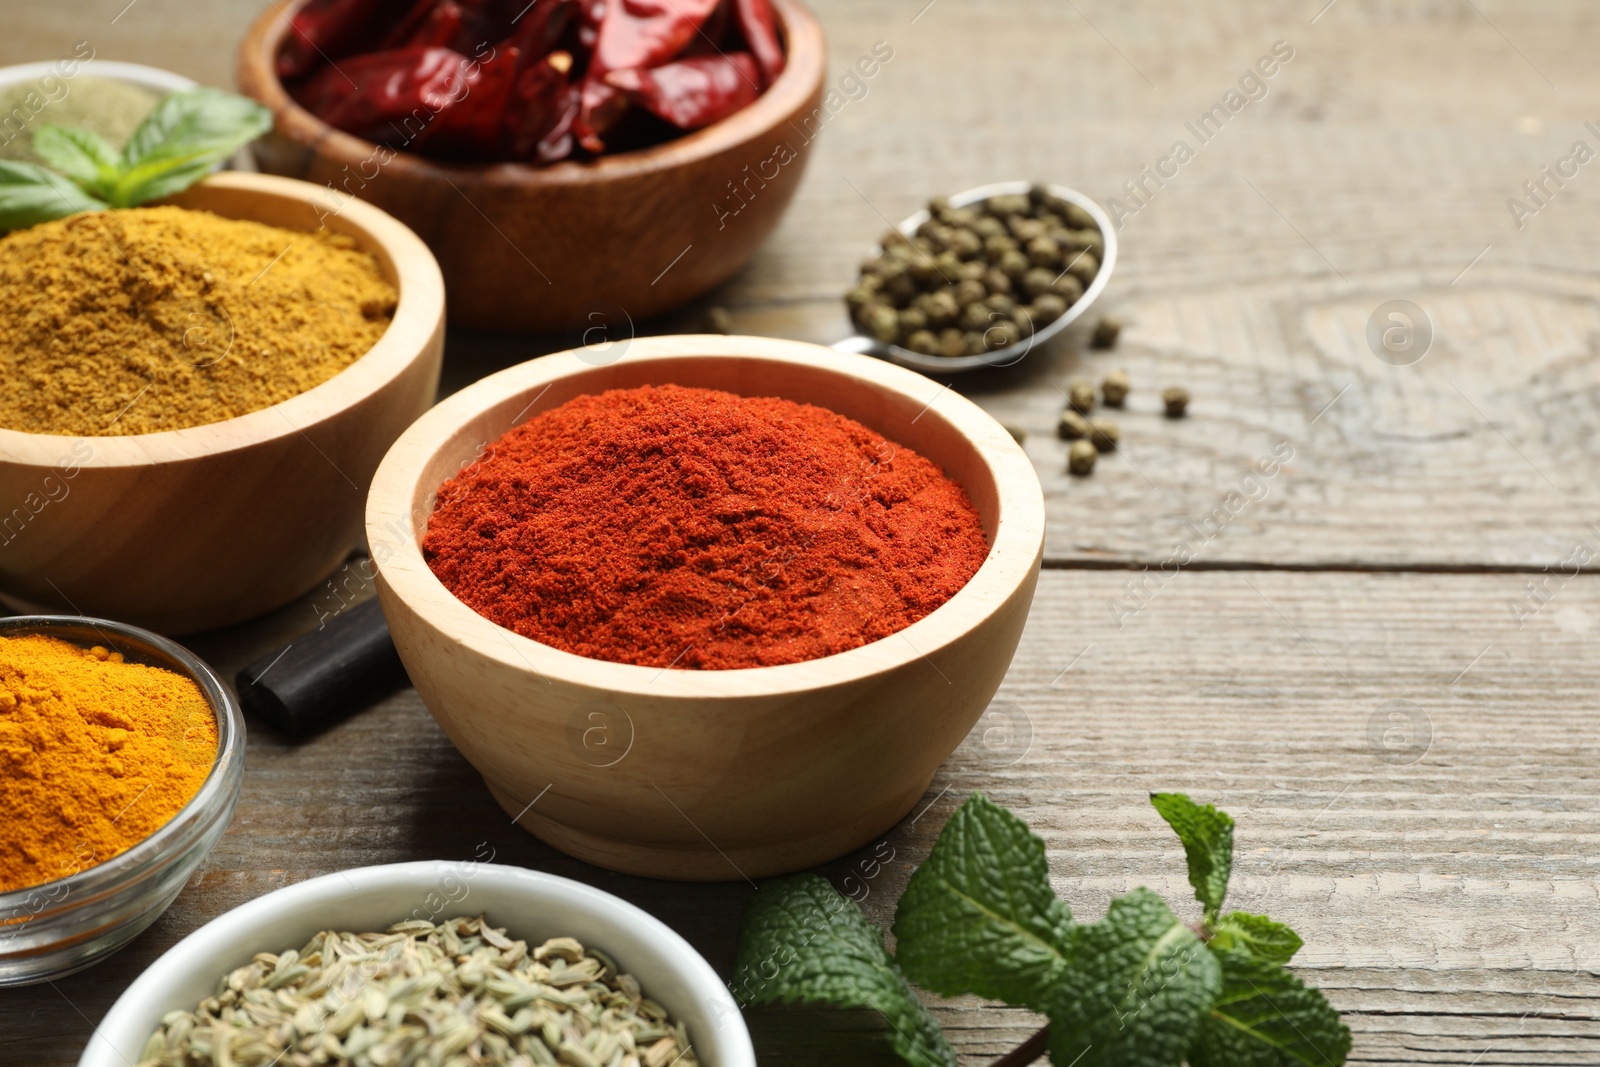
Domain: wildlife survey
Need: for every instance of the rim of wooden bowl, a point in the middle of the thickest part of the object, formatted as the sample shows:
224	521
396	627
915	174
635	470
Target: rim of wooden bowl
804	70
417	314
1015	548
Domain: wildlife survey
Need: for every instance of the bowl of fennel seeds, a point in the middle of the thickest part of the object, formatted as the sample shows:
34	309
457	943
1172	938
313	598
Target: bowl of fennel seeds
434	963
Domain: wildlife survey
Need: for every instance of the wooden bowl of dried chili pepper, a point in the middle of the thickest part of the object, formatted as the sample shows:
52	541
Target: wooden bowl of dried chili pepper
705	774
497	139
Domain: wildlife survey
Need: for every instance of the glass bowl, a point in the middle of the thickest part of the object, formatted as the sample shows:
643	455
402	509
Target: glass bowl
53	929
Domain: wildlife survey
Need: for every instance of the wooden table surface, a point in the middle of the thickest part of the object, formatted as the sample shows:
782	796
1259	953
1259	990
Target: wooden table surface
1412	559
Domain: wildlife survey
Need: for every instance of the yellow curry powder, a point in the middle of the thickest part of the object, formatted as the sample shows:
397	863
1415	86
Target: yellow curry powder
151	319
96	754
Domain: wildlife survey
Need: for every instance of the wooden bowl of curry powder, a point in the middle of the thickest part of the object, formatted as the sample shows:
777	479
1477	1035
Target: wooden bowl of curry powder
178	452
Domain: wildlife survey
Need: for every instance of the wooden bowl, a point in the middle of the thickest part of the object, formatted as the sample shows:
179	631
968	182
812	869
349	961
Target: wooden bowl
197	528
539	249
710	775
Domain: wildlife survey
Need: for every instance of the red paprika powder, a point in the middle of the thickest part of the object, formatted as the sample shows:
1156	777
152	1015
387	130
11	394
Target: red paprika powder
677	527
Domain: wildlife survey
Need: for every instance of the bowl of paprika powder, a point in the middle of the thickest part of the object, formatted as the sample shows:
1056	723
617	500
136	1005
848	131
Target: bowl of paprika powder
531	247
738	758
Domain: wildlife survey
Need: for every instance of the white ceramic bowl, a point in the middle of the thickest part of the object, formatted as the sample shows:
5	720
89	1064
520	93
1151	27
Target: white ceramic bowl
533	906
153	78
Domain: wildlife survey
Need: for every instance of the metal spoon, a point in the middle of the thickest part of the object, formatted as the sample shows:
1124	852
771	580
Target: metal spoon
1000	357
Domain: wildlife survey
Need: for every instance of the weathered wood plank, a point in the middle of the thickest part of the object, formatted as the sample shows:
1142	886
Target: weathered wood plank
1446	890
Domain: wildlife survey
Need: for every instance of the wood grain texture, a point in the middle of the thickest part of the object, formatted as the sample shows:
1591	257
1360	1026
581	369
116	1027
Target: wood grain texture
1446	890
1448	904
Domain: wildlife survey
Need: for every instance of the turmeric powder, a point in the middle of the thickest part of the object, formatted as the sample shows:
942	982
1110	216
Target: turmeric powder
96	754
151	319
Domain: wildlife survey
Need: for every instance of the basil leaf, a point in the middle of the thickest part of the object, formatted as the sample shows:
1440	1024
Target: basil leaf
82	155
182	139
1266	1017
30	195
979	915
801	941
1207	836
1136	990
1258	935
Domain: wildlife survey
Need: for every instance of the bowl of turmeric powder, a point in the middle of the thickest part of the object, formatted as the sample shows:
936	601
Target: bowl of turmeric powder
122	755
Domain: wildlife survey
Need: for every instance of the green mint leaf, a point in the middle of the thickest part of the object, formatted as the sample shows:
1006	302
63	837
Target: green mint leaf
1266	1017
1271	942
1137	988
82	155
980	917
1207	836
31	194
801	941
182	139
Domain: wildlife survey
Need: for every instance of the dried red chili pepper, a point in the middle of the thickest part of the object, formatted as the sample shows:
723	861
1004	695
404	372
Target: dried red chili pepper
474	125
440	29
713	35
538	30
323	30
407	27
397	95
558	143
692	93
635	33
759	24
536	103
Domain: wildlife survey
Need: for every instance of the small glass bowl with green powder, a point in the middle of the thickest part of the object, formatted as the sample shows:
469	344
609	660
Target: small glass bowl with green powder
77	91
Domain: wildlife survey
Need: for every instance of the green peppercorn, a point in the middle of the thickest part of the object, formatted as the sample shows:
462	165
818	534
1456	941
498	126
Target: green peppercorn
1037	281
960	218
901	288
941	308
988	227
911	320
998	282
1081	458
966	244
1043	252
1071	426
923	341
1025	229
947	265
1080	396
1039	195
952	343
996	247
1084	266
974	269
921	271
975	316
1022	315
1015	264
1177	401
859	297
718	320
1002	333
1001	303
1077	217
1104	434
1106	332
880	321
892	239
927	246
929	228
1114	389
938	206
969	291
1009	204
1047	308
1068	288
973	342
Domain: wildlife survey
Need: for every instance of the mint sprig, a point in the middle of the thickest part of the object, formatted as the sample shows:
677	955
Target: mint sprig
1139	988
800	941
980	917
181	141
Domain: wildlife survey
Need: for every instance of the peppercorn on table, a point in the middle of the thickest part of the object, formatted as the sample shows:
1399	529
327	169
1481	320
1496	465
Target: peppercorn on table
1349	596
